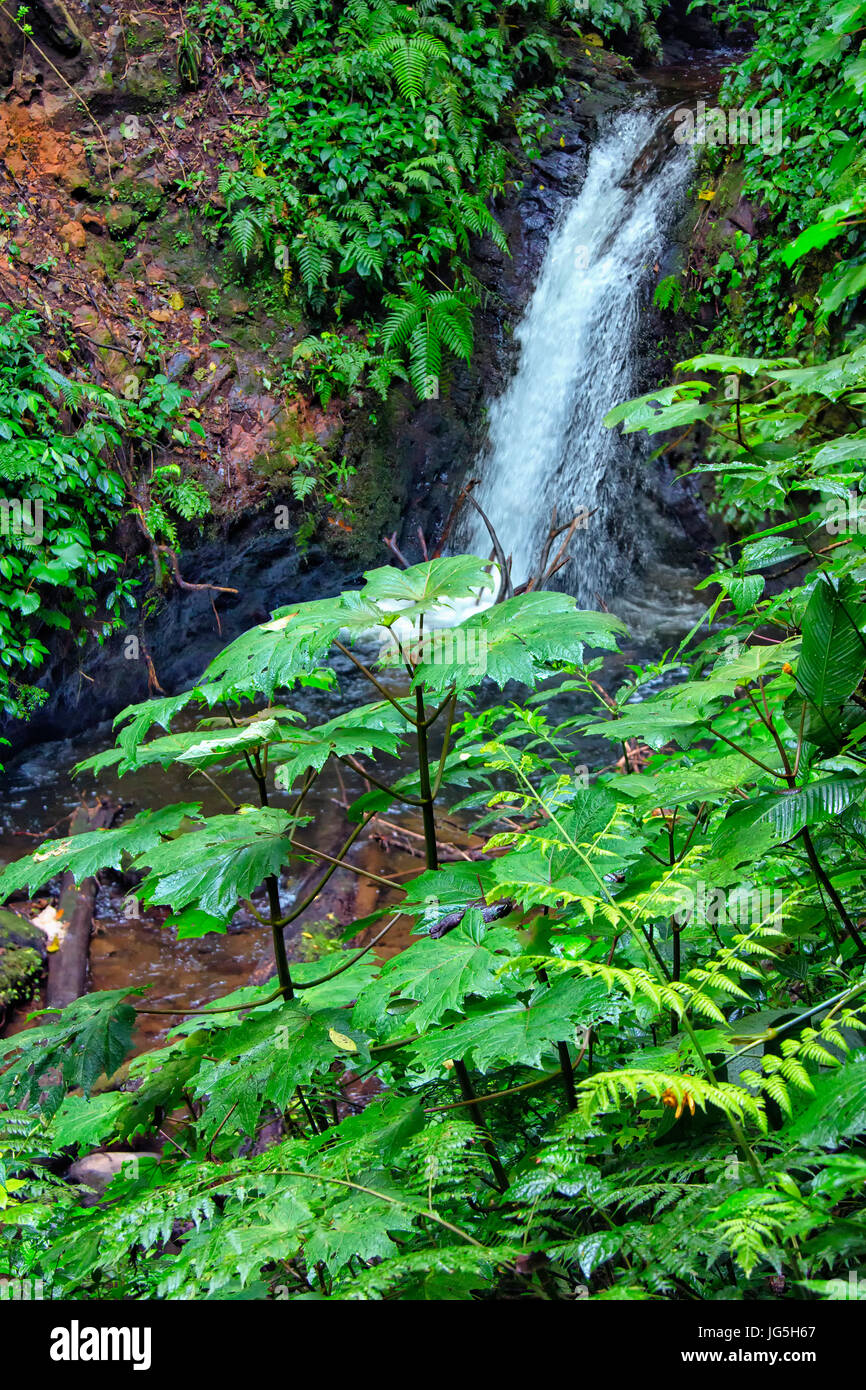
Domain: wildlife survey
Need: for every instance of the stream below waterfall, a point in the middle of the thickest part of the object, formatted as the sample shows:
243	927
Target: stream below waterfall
578	354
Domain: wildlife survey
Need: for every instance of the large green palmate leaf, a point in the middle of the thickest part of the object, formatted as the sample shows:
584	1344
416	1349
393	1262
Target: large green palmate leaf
655	722
139	720
216	745
436	892
215	866
369	729
197	748
838	1110
830	378
785	813
266	1057
297	639
91	1038
440	976
88	1121
717	362
678	783
423	587
276	654
521	639
515	1034
84	855
833	653
681	715
664	409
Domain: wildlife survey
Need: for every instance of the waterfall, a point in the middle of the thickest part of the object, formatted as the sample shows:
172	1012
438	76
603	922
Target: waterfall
578	356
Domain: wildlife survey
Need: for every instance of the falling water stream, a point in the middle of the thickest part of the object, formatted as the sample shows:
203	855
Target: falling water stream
579	344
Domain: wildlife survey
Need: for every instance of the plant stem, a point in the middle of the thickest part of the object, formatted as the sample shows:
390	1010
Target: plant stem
445	742
488	1145
567	1075
365	670
823	878
284	974
495	1095
427	814
383	786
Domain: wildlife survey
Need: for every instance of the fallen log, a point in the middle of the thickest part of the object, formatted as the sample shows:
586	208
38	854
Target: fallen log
67	966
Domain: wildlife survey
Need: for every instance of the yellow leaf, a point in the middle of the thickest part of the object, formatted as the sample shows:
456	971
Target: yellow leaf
176	301
562	142
707	194
259	170
340	1040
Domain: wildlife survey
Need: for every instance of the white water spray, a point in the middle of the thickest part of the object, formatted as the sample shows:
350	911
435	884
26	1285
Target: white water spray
578	341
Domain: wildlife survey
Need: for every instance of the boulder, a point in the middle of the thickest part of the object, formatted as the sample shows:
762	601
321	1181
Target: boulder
96	1170
17	931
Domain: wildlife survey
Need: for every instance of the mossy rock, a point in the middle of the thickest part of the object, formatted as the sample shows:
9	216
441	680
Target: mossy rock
234	304
107	254
17	931
144	33
121	219
20	969
377	495
140	193
146	86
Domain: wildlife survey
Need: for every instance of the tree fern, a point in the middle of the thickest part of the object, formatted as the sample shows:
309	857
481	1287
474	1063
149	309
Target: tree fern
412	59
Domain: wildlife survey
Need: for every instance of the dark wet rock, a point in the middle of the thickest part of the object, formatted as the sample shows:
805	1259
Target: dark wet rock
177	365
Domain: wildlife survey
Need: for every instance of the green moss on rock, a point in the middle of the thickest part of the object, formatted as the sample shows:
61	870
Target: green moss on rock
143	33
17	931
145	194
20	969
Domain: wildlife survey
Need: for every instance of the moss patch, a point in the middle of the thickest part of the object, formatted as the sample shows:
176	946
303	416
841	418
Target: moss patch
20	969
143	33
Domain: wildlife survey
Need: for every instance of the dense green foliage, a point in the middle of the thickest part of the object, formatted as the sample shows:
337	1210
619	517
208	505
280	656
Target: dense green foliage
62	495
658	931
626	1054
382	148
806	69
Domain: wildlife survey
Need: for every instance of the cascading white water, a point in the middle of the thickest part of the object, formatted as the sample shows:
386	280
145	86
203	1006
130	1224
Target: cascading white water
578	340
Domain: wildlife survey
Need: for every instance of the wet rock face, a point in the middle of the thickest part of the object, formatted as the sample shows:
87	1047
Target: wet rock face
254	556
